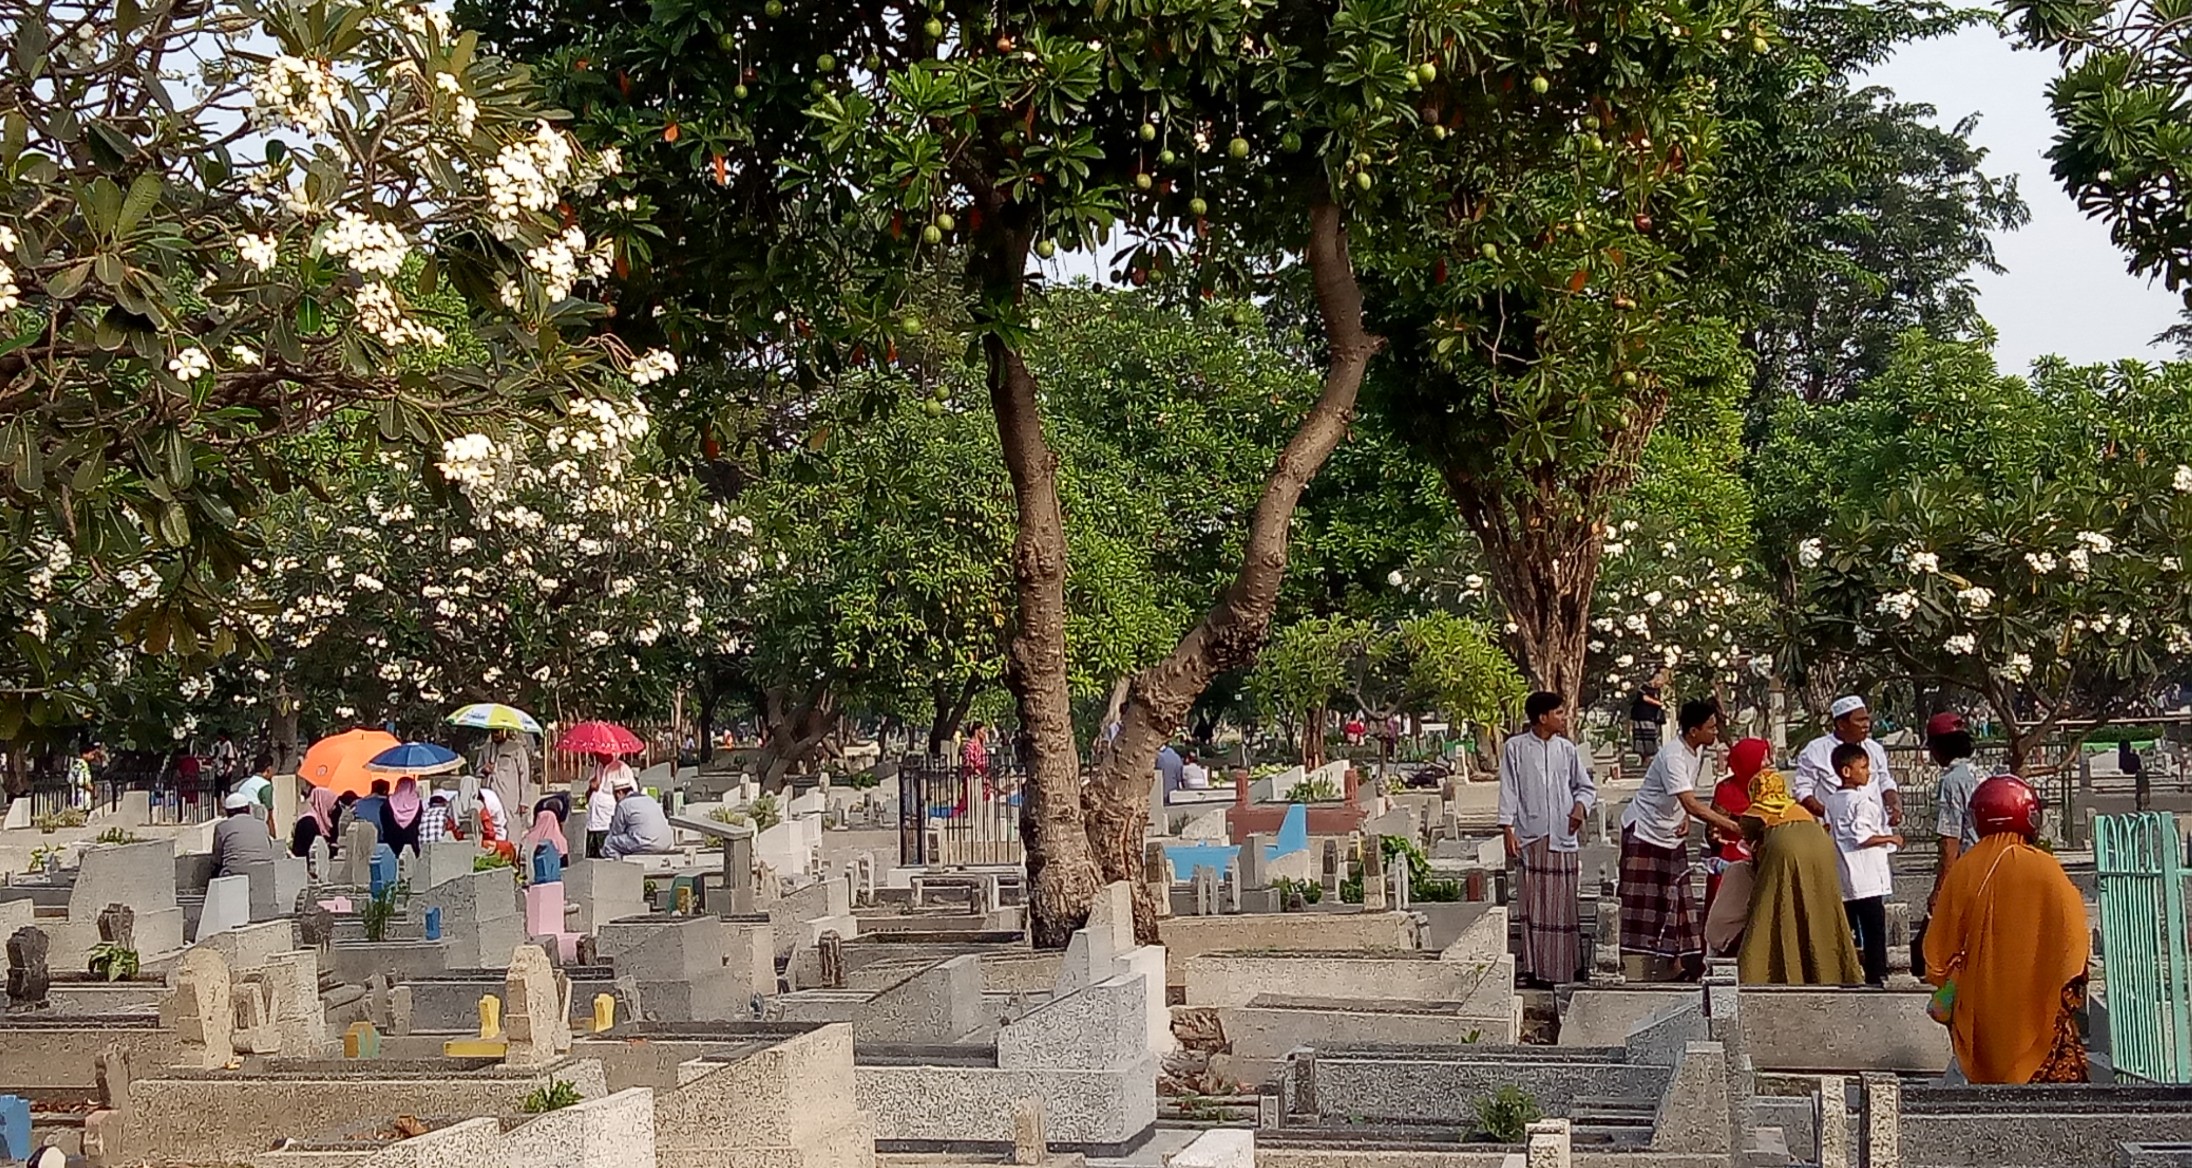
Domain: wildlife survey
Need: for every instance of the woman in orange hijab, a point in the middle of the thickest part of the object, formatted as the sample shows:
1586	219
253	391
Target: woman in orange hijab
2009	931
1797	932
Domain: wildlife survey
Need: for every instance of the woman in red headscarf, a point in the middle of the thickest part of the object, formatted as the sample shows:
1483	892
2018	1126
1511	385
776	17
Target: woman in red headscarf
1732	797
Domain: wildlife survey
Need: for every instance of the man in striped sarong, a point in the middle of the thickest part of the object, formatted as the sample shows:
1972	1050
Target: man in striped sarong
1659	917
1545	793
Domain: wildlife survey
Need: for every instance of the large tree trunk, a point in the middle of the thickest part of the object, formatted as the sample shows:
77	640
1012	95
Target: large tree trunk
1544	566
1062	878
1229	636
951	710
281	731
795	730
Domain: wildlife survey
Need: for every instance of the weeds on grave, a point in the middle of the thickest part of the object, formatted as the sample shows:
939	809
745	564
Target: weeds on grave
1317	790
380	910
1505	1116
1294	895
53	821
112	962
554	1097
116	835
489	861
40	854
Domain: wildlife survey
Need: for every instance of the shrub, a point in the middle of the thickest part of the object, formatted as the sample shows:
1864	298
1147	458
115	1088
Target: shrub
113	962
554	1097
1505	1116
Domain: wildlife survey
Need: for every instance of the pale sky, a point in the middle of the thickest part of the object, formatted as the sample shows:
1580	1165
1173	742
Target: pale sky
2066	291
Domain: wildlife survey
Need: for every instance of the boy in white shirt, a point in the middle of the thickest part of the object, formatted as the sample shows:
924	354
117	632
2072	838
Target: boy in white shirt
1858	820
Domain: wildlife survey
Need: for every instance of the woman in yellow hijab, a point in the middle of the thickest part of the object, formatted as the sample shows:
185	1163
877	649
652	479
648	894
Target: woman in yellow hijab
1798	933
2009	930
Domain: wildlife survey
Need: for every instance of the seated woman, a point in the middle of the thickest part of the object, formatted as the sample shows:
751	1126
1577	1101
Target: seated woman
1796	932
317	822
2009	929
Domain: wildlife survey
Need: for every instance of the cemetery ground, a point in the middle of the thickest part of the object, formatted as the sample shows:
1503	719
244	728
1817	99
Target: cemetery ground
853	986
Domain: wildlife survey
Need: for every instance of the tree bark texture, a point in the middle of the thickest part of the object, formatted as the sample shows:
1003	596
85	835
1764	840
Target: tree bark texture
1062	878
796	726
1116	803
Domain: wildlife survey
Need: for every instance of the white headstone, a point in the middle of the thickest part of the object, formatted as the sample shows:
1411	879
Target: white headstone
227	906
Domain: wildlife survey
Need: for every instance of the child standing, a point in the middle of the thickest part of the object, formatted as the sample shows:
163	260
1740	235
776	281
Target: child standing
1858	820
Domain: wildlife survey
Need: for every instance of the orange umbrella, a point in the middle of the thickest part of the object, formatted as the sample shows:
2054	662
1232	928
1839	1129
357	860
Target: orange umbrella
338	762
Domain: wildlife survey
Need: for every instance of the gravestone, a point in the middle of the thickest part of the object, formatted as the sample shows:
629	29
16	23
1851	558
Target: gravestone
1254	864
360	841
362	1041
1229	892
227	906
256	1029
275	887
1030	1140
1332	871
315	927
1403	890
381	872
537	1018
317	857
1206	891
203	1011
1832	1123
1373	875
28	975
400	1011
1548	1145
1157	874
831	948
118	926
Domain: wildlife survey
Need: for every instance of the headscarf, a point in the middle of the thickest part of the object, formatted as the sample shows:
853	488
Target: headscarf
547	829
491	814
2020	926
320	805
1746	758
1770	801
403	802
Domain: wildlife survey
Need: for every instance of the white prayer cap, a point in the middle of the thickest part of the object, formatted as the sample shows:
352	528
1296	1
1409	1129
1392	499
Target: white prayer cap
1843	707
624	782
236	801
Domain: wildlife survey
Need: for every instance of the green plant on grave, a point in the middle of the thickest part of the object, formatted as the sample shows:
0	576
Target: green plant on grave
554	1097
1318	790
113	962
53	821
378	911
1505	1116
1310	891
766	814
864	781
39	855
116	835
488	861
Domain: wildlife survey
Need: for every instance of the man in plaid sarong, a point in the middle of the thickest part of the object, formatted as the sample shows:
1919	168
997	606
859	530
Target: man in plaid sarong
1545	792
1658	916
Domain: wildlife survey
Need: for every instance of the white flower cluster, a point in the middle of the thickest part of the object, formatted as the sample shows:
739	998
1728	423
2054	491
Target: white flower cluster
57	560
556	262
190	364
1962	644
381	315
418	20
1900	605
139	584
2184	479
373	249
2018	667
652	366
1976	599
2096	542
473	462
599	426
294	92
1810	552
2041	563
10	295
260	251
526	176
1918	559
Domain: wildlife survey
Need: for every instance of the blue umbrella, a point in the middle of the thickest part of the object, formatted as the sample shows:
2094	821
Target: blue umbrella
415	758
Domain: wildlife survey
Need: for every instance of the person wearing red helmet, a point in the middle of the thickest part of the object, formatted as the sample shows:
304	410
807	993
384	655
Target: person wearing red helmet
2009	932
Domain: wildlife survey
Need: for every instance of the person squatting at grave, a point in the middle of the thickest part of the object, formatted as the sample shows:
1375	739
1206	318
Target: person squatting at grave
1545	793
639	828
400	820
1789	928
1658	916
317	821
2007	947
240	838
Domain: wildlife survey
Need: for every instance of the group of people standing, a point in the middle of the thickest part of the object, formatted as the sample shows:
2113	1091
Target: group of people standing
1800	872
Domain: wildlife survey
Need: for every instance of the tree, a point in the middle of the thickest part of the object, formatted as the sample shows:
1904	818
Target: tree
1217	138
174	309
2022	541
1436	662
2123	124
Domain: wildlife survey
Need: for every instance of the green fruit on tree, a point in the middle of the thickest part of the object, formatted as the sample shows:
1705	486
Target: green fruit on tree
941	393
944	222
933	408
1540	86
1628	377
1490	251
1290	141
932	234
773	9
1148	132
934	27
1590	121
826	63
1758	44
739	92
1362	179
1143	182
1439	132
1197	207
1362	159
1427	72
1045	248
726	42
1166	158
872	63
816	87
1238	148
909	324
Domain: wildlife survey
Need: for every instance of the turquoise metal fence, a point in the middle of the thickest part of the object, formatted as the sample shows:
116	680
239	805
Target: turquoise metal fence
2140	859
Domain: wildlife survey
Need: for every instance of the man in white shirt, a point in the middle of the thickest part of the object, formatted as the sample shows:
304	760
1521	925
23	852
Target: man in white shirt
1815	765
1545	793
1658	916
1194	776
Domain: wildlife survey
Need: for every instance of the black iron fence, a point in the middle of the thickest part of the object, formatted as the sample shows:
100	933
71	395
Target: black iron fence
178	789
950	814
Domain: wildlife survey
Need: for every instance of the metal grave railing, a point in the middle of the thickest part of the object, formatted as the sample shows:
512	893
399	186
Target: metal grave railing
2140	859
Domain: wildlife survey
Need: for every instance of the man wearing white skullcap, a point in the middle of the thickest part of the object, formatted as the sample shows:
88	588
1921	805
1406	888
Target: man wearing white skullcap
241	837
1815	772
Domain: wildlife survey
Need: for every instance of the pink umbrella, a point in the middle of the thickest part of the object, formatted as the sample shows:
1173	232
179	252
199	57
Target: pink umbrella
599	738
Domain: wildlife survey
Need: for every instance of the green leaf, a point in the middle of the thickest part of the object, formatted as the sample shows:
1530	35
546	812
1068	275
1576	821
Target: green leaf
64	284
144	194
174	525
